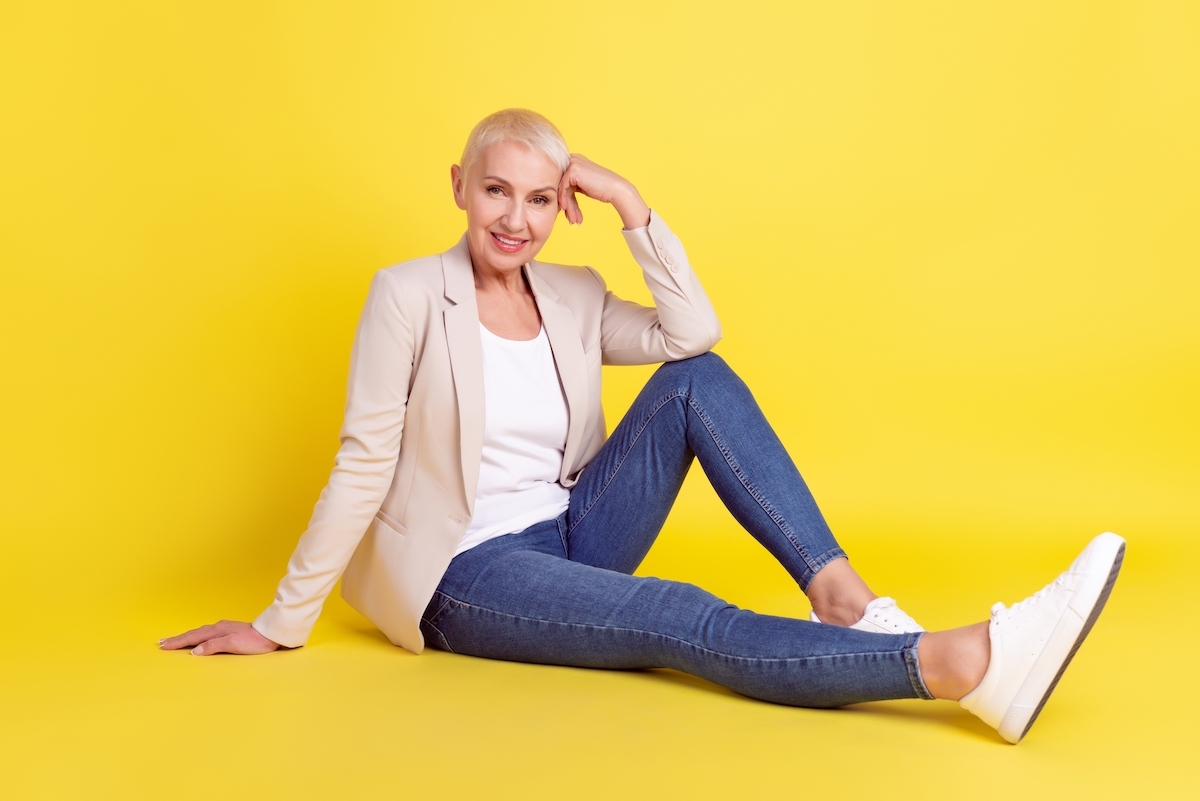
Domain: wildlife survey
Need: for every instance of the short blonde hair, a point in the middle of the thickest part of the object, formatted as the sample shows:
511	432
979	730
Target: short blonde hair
516	125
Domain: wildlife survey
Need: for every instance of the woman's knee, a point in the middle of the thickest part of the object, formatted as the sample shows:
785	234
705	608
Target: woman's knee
706	375
708	366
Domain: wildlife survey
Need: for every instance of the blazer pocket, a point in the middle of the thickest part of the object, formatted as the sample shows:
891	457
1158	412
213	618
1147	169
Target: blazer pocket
372	583
392	523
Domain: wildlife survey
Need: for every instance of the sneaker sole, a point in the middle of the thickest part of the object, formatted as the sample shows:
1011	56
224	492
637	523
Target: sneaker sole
1097	608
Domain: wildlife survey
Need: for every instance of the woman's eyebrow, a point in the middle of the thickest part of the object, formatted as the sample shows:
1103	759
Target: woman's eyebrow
497	179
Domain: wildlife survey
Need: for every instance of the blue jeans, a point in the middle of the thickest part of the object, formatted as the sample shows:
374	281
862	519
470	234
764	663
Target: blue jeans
560	592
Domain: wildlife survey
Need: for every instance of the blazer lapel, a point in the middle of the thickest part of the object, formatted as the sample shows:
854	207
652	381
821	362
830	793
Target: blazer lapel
563	333
466	361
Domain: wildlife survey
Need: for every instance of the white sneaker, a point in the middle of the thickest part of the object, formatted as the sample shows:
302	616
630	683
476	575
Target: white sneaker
1034	640
881	616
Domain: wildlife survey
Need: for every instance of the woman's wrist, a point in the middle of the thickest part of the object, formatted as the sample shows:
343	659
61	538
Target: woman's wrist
633	210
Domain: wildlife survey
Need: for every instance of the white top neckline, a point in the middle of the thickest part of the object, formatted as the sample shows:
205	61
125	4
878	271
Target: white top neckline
541	334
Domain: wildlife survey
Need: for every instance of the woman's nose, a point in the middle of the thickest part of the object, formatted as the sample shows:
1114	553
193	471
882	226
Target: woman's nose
514	218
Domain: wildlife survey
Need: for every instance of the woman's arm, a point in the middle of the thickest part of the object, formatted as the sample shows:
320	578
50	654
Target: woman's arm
682	322
376	400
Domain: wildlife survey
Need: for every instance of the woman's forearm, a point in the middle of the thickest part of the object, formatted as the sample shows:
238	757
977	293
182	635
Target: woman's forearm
633	210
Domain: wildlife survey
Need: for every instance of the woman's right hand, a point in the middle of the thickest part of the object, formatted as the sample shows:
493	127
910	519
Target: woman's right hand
586	176
225	637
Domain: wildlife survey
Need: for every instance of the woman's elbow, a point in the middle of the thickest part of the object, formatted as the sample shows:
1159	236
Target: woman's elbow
698	342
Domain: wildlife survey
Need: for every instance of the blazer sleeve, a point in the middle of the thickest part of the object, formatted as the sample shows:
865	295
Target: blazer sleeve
376	397
682	323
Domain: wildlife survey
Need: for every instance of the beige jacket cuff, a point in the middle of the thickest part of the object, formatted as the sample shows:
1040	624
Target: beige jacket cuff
272	625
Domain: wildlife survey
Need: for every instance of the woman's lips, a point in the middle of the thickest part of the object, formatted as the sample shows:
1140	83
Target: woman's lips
508	244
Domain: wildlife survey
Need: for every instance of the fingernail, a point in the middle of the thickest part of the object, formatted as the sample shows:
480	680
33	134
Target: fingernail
198	650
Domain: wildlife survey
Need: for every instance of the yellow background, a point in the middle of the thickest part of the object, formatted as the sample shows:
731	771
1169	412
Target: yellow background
954	247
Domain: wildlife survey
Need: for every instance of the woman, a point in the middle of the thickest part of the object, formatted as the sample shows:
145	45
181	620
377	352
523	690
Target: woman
477	506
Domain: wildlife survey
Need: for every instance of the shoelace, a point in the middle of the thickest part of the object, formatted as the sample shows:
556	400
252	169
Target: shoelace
888	615
1003	614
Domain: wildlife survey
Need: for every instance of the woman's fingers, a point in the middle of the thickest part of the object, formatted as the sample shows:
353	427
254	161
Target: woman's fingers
567	200
193	637
599	183
217	645
240	642
571	209
225	637
244	640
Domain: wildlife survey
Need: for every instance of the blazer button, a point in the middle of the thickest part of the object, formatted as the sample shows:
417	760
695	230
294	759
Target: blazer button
666	257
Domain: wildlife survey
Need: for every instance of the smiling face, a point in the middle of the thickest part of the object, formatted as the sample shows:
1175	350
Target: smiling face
511	198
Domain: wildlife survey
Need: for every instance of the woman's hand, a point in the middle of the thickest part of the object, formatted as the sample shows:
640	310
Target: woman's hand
604	185
226	637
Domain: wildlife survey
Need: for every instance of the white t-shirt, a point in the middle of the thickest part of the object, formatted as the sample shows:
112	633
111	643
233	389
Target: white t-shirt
524	436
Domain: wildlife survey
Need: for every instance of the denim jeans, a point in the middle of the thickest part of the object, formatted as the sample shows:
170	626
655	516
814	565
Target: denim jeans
560	592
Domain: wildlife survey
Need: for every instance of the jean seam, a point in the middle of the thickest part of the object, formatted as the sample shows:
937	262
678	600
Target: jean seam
654	410
754	492
561	525
913	662
686	643
445	641
446	602
824	559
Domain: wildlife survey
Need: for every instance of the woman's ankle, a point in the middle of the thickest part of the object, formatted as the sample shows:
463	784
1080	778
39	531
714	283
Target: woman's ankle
953	662
838	594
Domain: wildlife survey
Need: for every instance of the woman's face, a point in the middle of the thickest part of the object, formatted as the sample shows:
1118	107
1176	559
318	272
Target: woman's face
511	200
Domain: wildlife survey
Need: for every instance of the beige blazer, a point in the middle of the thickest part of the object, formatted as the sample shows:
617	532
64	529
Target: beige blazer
402	489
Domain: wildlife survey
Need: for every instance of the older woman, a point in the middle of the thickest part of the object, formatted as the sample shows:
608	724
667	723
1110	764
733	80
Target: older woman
476	504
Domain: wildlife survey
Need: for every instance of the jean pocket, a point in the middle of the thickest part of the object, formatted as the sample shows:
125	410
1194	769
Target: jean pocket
561	521
437	605
433	613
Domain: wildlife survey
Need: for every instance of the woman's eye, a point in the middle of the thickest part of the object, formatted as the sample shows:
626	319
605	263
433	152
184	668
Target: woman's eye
494	190
540	201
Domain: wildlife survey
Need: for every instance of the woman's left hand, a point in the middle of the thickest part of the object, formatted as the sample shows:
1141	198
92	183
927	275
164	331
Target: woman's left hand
598	183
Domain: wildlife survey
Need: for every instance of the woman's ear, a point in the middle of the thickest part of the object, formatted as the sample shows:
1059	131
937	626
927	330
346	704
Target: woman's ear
456	183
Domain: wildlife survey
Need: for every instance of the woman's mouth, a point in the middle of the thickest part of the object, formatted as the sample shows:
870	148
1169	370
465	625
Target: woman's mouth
508	244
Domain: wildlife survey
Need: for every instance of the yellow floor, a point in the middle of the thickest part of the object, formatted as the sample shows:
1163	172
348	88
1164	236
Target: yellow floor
352	716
